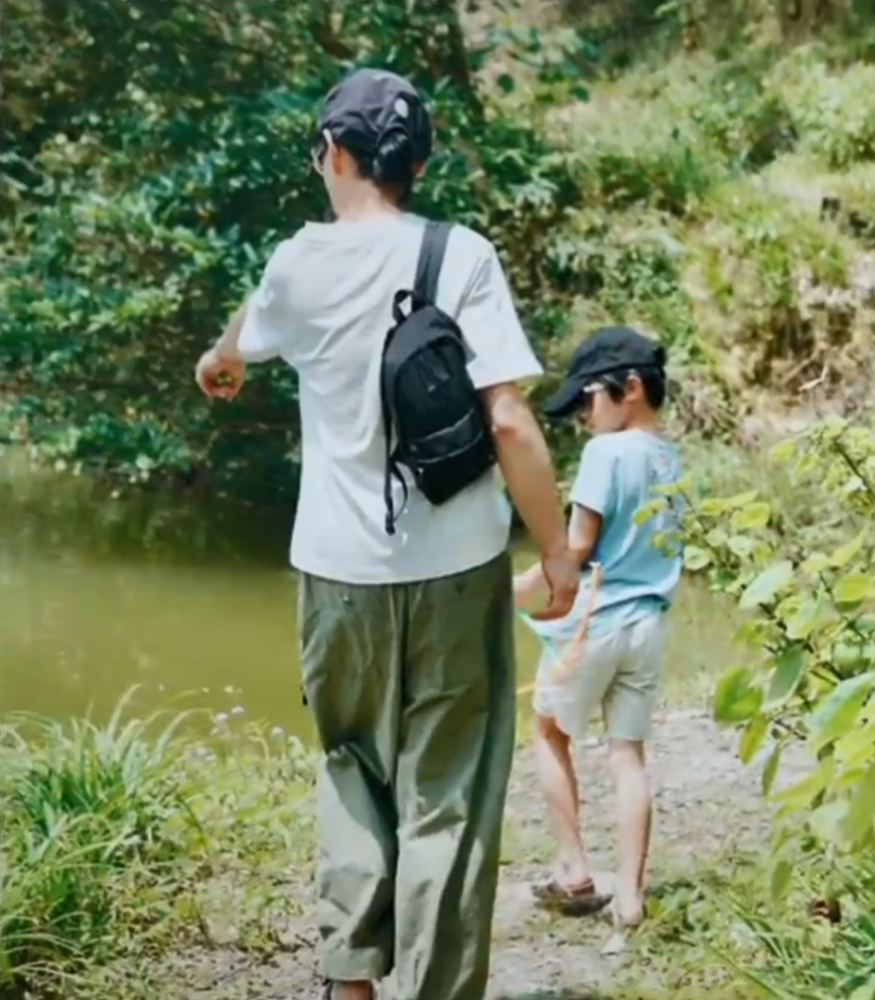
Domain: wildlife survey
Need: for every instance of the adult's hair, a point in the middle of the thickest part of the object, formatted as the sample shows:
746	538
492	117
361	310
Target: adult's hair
390	167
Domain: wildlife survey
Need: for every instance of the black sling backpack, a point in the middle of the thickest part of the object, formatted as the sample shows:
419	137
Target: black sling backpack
431	409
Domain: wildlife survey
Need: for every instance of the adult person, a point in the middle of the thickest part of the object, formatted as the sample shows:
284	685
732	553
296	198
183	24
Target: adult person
407	642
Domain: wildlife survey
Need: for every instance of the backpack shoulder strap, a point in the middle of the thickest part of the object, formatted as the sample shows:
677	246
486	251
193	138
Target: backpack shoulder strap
431	259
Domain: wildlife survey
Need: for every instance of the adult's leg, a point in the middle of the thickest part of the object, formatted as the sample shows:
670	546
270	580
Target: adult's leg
454	762
351	672
629	707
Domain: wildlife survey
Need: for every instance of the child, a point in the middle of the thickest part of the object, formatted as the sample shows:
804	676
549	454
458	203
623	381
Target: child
616	382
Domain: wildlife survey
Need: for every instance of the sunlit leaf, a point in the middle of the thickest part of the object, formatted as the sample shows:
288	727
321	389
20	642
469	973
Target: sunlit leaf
712	507
696	558
816	563
828	822
846	553
742	499
802	793
854	588
736	698
754	515
838	711
767	585
788	672
861	809
770	769
752	738
741	545
782	873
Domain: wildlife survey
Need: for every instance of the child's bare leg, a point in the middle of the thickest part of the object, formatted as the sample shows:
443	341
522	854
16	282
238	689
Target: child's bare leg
555	767
634	818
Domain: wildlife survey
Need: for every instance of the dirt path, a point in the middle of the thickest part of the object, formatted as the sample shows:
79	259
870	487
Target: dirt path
706	802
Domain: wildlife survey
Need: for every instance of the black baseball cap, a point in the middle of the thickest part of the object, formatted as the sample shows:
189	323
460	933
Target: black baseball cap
610	349
369	104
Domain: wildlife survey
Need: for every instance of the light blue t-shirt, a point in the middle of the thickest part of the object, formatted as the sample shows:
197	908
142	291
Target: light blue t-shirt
617	476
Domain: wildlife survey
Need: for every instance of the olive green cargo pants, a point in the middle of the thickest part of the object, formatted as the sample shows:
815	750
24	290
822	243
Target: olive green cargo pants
412	688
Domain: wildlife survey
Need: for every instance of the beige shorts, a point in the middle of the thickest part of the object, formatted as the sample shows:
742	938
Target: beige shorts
618	671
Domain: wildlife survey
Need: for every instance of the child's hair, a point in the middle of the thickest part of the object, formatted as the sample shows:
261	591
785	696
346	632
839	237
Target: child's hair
652	381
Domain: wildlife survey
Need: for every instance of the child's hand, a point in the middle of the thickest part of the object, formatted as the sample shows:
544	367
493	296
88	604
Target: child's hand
525	588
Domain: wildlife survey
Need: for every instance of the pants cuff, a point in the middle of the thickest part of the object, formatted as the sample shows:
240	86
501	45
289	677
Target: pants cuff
345	966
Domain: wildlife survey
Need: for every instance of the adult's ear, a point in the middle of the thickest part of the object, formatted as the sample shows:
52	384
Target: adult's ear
333	153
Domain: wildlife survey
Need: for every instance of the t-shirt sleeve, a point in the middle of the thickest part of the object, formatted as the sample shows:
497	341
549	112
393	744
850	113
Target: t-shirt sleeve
500	350
270	323
594	484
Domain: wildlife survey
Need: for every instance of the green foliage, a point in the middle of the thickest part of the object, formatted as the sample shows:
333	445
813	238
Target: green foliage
120	837
149	192
771	277
832	112
146	193
804	685
817	942
798	561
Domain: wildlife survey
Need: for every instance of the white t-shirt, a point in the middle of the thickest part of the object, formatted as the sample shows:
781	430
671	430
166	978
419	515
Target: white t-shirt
324	305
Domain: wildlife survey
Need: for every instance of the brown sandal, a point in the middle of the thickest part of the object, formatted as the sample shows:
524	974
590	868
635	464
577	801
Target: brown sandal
328	990
580	901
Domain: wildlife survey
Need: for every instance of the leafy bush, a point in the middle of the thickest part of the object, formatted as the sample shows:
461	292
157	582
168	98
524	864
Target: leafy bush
149	193
805	684
114	838
771	282
643	161
829	952
631	265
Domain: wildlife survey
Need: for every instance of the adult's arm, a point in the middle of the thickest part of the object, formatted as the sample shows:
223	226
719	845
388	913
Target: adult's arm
526	466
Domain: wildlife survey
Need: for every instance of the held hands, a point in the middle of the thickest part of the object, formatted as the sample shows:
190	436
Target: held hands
220	377
562	574
559	574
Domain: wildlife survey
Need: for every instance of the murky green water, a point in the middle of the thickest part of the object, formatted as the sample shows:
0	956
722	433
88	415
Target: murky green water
192	600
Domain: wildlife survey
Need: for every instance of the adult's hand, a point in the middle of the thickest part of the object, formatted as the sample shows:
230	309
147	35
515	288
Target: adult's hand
220	377
562	573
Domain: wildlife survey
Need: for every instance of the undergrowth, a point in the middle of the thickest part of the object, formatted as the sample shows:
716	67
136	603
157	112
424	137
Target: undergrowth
728	207
117	840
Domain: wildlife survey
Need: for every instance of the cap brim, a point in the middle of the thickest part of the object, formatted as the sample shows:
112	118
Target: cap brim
565	401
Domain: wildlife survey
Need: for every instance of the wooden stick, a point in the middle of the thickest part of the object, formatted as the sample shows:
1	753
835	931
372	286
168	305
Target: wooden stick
574	648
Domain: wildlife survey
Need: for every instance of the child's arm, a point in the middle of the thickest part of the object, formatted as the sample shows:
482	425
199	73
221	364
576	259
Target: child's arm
583	533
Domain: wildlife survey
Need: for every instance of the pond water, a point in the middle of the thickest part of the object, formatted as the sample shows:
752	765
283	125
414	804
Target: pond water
193	601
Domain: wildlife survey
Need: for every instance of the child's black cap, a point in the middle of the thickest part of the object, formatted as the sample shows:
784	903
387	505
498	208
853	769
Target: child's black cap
609	349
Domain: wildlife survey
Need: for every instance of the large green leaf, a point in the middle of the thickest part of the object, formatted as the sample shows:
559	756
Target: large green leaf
765	587
861	809
737	698
753	515
770	769
752	738
789	668
854	588
838	711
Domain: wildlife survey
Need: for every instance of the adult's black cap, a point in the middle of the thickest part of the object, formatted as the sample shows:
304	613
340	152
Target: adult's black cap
368	105
610	349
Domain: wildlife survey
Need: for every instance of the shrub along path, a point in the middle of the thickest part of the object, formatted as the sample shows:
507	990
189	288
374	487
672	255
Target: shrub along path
709	814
